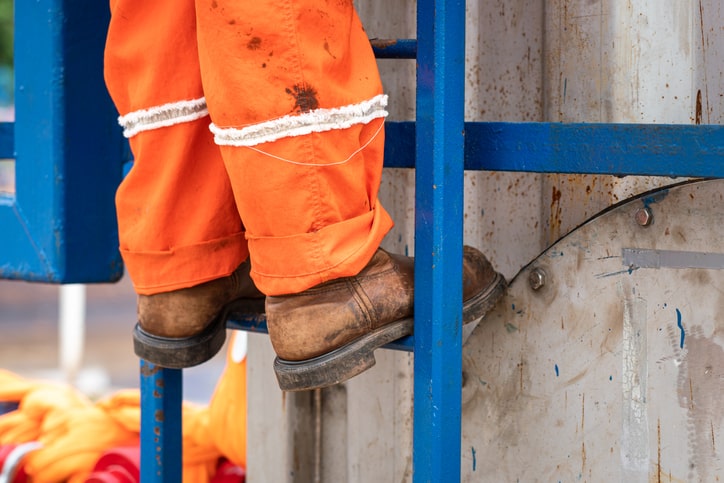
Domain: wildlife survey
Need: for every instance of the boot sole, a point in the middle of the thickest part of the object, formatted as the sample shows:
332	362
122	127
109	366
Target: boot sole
340	364
358	356
183	352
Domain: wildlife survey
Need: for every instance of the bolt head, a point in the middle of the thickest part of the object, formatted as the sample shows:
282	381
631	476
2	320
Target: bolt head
644	216
537	278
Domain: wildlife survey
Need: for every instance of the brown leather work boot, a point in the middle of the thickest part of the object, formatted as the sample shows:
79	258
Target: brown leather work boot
328	333
186	327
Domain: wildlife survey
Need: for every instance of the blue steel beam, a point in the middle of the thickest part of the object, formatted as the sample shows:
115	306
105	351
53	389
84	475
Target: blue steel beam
161	430
616	149
438	240
59	225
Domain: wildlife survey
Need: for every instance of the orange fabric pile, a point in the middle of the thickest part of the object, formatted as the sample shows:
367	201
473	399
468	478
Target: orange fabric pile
74	431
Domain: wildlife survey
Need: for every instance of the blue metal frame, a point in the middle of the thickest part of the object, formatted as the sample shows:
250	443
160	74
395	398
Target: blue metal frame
616	149
438	240
60	224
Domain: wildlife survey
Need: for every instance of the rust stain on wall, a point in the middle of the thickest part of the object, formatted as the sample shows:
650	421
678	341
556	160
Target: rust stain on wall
555	214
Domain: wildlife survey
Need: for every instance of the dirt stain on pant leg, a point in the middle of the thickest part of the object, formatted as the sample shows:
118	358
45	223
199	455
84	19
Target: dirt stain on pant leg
305	97
254	43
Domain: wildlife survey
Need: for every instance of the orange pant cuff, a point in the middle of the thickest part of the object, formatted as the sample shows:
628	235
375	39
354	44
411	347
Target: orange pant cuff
182	267
291	264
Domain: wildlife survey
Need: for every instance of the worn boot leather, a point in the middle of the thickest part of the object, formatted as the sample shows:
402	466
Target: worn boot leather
312	329
186	327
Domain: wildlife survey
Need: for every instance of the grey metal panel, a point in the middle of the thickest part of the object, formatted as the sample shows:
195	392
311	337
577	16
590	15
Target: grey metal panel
612	370
280	427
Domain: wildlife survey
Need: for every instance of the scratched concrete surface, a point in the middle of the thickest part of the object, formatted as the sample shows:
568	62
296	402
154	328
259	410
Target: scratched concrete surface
29	339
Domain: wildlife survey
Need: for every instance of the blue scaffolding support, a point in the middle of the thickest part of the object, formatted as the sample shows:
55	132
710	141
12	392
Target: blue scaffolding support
60	227
438	240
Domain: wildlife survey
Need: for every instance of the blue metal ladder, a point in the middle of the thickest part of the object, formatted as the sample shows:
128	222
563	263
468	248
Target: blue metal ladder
59	226
440	52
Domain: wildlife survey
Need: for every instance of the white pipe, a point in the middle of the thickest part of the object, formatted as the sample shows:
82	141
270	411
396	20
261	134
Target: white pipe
71	329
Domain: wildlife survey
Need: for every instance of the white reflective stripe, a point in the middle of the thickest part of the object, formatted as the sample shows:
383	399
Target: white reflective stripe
162	116
318	120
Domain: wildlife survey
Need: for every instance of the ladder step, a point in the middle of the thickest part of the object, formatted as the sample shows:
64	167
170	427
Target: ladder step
394	48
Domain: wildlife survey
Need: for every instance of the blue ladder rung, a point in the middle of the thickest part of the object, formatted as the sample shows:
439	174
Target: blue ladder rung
394	48
612	149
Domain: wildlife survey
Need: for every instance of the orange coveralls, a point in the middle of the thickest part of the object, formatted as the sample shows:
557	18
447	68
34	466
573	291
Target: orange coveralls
257	130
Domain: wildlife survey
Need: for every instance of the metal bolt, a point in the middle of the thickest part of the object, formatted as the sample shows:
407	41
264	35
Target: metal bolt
537	278
644	216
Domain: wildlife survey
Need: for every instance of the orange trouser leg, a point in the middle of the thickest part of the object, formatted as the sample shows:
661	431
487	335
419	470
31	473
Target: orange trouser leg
178	223
295	98
296	102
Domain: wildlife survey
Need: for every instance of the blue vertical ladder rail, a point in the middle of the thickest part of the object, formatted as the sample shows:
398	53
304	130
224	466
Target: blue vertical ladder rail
59	226
438	239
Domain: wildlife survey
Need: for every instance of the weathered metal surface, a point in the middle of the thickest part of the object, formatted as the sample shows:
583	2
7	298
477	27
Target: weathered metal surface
281	448
638	61
613	369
